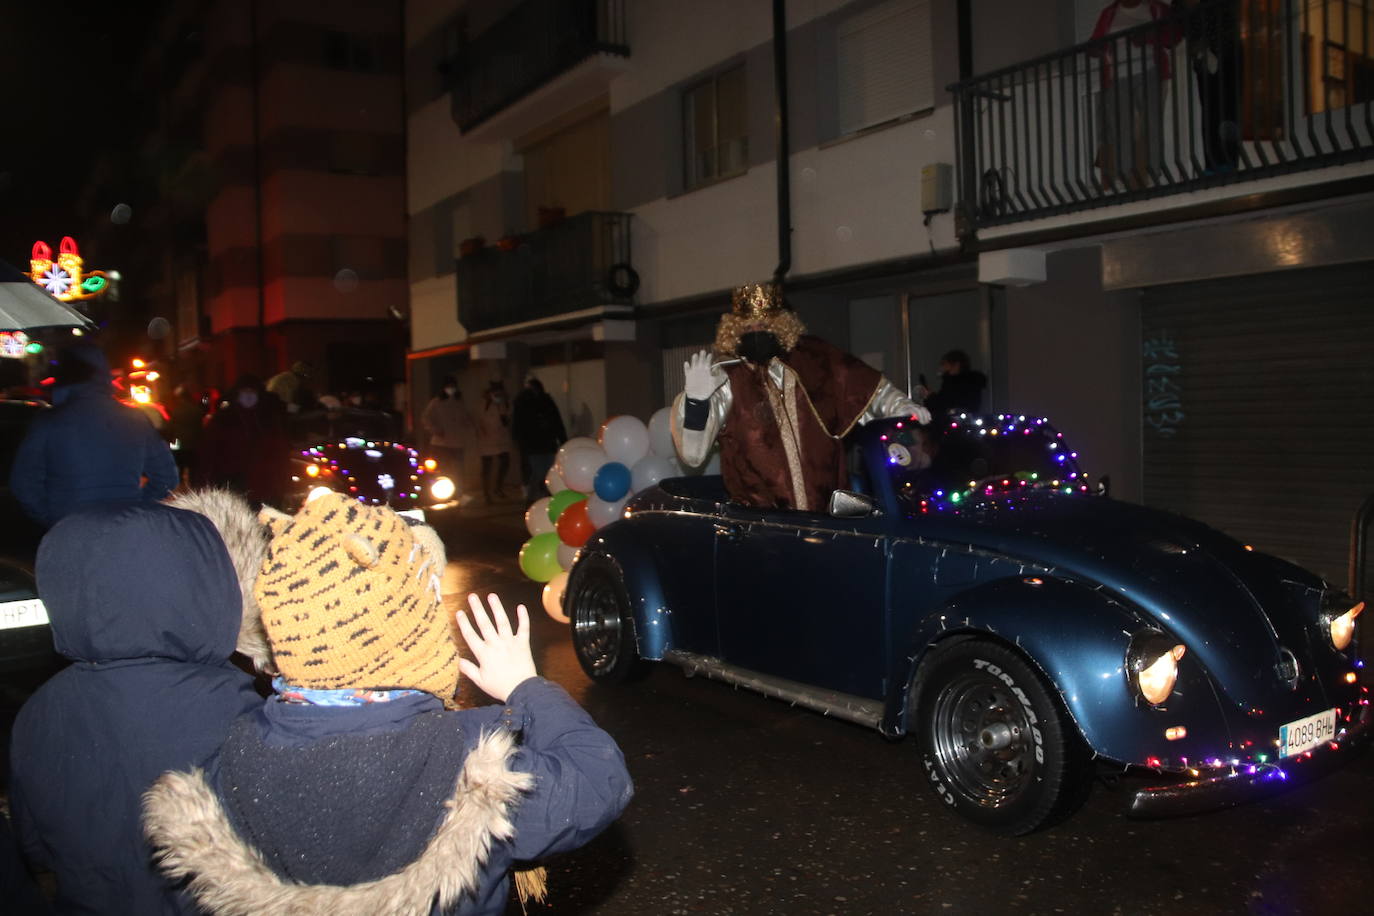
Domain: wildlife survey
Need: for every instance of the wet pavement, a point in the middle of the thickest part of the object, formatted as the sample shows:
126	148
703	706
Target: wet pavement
745	805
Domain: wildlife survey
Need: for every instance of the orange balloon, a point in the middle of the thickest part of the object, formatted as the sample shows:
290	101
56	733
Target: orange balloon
573	526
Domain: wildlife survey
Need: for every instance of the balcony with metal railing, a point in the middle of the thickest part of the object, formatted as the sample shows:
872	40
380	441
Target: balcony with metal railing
531	46
575	270
1223	92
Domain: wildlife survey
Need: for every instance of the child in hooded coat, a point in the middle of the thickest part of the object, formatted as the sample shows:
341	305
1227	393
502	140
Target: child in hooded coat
355	788
144	601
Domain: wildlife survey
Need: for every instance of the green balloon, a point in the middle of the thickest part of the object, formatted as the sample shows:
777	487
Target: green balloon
562	500
539	557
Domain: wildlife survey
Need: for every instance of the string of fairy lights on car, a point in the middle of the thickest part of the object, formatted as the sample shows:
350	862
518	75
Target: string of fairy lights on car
330	463
993	491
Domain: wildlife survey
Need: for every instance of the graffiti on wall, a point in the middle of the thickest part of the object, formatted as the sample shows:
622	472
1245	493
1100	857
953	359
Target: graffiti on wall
1163	391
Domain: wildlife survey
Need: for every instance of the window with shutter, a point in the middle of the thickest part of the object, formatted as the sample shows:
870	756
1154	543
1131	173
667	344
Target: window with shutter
883	64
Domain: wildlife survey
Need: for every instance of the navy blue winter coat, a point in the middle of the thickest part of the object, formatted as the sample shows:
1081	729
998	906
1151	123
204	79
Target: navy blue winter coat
89	448
144	600
367	809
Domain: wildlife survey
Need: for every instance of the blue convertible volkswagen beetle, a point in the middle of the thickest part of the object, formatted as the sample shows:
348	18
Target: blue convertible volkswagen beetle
975	590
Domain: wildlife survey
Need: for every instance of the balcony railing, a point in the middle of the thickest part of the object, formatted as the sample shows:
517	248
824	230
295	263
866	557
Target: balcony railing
532	44
1232	90
579	263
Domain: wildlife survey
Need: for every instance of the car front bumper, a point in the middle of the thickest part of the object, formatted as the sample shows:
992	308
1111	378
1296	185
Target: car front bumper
1247	783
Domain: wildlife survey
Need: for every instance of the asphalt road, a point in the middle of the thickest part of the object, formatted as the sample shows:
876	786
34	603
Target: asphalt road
744	805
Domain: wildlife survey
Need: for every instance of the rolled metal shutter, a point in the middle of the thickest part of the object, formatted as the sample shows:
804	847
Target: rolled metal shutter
1258	407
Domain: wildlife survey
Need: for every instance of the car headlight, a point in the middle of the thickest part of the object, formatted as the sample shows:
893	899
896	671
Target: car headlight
312	470
1339	618
1152	665
443	488
316	493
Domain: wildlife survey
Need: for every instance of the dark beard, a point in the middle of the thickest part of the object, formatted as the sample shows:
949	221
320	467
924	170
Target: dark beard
759	347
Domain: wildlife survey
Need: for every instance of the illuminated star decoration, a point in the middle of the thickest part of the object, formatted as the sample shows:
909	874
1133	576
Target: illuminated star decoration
65	278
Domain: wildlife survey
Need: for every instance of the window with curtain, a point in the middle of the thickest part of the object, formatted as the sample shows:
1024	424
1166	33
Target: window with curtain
715	128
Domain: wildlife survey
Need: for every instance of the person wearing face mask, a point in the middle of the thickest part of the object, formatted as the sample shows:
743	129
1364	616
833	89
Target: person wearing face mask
245	444
494	441
449	426
778	401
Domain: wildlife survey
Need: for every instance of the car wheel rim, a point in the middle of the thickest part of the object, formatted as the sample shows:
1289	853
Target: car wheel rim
596	625
983	740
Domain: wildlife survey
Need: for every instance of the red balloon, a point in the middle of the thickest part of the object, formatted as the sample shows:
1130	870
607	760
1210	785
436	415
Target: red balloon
573	526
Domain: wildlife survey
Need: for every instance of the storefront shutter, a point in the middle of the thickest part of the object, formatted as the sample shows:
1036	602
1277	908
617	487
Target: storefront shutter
1258	408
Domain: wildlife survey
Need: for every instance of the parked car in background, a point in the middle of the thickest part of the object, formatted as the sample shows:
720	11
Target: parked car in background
25	637
359	453
975	590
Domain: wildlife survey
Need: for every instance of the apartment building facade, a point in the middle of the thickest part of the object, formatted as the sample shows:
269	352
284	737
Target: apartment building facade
267	193
1041	189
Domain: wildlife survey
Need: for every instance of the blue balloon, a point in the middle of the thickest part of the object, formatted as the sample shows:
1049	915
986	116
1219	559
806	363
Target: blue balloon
612	481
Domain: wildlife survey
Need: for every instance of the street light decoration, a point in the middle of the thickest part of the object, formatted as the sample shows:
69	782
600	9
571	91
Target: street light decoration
65	278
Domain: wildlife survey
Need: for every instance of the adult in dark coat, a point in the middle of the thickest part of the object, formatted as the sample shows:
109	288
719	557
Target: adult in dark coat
538	429
961	387
90	448
144	600
245	447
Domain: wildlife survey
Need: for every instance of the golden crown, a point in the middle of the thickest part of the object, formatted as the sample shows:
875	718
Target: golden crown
756	300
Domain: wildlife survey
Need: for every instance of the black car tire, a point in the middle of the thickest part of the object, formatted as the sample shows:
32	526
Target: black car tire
602	626
995	742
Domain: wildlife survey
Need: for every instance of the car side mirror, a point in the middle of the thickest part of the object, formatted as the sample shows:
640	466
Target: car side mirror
848	504
1104	485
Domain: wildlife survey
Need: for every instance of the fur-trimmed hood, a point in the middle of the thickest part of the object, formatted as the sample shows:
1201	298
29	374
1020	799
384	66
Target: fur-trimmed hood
192	838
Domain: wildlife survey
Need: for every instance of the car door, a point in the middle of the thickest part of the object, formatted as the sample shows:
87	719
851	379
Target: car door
801	596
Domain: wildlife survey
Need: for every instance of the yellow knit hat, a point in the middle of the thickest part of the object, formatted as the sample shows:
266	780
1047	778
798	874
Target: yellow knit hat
350	598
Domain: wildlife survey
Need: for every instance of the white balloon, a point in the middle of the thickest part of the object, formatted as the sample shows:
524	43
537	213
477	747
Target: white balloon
579	468
553	597
602	513
574	442
554	481
648	471
566	555
537	517
661	433
625	439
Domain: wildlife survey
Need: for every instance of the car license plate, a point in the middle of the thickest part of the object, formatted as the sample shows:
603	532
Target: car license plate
417	514
1305	734
27	613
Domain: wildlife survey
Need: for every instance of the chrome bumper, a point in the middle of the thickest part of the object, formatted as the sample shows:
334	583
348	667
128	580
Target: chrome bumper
1247	783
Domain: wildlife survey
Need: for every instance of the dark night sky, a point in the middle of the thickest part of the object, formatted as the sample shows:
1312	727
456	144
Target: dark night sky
65	88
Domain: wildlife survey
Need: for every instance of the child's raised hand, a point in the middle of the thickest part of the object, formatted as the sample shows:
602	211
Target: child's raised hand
503	659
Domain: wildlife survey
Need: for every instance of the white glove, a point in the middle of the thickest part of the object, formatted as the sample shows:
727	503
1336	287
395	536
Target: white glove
702	379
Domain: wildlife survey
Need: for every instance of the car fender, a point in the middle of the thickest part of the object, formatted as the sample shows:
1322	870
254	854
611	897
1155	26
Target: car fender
1076	634
628	548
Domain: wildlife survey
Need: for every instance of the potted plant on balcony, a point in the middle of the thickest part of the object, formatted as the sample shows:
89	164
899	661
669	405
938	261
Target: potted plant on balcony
508	242
471	246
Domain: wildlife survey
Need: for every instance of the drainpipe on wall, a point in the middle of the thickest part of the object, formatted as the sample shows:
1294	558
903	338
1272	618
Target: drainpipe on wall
264	368
784	150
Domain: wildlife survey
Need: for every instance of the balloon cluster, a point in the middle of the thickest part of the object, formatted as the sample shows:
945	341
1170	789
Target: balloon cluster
591	481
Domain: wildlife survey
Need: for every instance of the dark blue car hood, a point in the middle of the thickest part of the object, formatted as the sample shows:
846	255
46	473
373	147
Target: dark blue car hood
1233	608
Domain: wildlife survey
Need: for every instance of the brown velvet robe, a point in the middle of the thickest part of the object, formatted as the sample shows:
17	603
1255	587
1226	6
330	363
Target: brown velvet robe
826	391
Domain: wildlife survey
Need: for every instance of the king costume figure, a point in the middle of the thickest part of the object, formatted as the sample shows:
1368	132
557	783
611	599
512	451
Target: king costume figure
779	402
